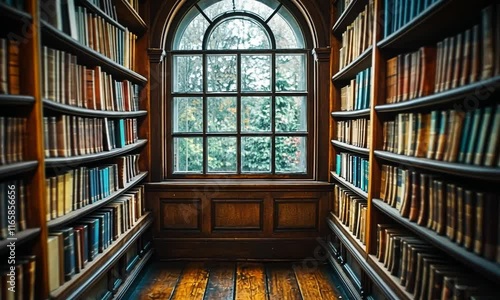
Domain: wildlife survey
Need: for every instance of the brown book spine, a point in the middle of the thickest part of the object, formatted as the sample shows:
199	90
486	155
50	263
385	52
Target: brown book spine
488	60
450	63
479	223
408	184
457	68
424	200
14	84
441	208
475	55
400	77
406	77
470	216
450	211
415	197
466	57
460	215
439	67
392	78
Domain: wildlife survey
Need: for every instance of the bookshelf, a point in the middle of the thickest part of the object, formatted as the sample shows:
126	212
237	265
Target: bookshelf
103	233
456	97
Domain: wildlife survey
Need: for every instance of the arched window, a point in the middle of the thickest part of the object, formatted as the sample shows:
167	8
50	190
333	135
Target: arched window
239	102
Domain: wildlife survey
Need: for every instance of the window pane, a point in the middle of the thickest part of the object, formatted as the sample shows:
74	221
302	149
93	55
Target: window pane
291	72
238	33
290	154
188	73
255	73
190	36
188	155
221	73
222	154
286	30
221	114
255	114
188	114
256	154
291	114
262	8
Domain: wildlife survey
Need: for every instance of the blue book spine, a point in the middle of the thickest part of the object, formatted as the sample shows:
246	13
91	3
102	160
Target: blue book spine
474	134
360	85
96	235
91	185
368	88
338	164
387	17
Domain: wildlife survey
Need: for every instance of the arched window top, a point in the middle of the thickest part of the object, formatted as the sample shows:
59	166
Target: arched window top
238	24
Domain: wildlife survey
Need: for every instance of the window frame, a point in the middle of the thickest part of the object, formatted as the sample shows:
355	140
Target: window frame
310	134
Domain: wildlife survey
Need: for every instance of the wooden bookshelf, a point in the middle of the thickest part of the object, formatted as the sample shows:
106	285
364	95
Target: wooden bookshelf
94	206
17	168
351	148
432	25
15	15
85	112
16	100
77	160
476	262
96	10
103	262
20	238
122	290
129	17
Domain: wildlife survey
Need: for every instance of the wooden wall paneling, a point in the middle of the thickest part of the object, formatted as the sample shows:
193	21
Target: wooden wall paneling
240	214
181	214
296	214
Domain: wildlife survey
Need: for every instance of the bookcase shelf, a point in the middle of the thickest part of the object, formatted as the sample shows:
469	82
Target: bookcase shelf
348	16
462	170
360	113
95	9
76	214
359	64
17	100
349	185
17	168
85	112
389	279
120	293
422	30
358	150
476	262
59	39
434	100
129	17
22	237
332	220
58	162
73	288
13	14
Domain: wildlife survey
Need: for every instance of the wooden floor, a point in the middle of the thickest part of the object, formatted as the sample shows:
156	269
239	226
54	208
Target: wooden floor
245	281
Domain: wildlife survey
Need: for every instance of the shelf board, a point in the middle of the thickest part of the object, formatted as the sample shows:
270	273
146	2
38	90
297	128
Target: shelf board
87	55
16	100
359	64
73	288
13	14
334	220
98	11
435	23
120	293
345	146
389	279
17	168
78	160
21	237
129	17
449	96
85	112
350	186
351	113
72	216
348	16
462	170
478	263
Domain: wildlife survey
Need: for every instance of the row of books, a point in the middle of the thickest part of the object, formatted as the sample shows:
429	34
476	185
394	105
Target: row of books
423	271
66	82
353	169
93	31
13	134
77	188
398	13
9	67
356	95
448	135
351	210
71	248
357	37
134	4
458	60
68	136
13	198
467	217
341	6
19	282
354	132
107	7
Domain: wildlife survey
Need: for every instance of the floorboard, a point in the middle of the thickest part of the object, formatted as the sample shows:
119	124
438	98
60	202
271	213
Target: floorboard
235	281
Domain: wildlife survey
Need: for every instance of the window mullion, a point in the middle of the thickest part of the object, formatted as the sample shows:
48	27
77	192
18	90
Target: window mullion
205	115
273	113
238	113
